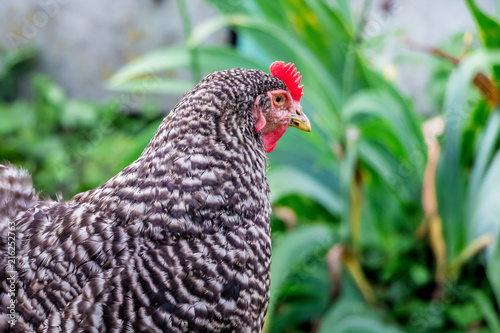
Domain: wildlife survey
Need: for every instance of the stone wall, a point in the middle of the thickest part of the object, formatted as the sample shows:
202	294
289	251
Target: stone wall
82	43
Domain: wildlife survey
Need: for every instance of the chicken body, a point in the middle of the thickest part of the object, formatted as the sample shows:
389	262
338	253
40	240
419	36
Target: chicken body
179	241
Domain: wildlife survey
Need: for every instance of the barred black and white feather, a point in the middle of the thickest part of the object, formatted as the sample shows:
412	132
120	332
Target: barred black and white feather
179	241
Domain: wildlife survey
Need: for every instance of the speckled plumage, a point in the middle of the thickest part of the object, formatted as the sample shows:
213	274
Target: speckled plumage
179	241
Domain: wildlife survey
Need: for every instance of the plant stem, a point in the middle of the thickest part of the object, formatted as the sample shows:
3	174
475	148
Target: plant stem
470	251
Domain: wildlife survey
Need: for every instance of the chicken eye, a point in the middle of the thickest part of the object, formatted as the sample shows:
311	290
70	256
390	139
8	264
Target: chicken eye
279	99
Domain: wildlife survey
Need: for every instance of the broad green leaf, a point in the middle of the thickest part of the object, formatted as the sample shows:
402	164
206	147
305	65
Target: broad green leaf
151	64
154	85
14	64
392	170
16	116
320	105
347	171
484	155
346	316
343	7
493	268
372	104
311	152
285	181
47	92
147	67
484	220
411	118
293	313
488	310
268	10
321	30
291	250
307	295
220	58
360	324
308	61
464	315
449	182
78	113
228	6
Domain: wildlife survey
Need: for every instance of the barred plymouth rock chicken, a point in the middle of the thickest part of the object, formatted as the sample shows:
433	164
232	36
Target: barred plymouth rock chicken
179	241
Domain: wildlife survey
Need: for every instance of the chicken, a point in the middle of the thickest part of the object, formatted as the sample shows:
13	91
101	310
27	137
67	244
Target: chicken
179	241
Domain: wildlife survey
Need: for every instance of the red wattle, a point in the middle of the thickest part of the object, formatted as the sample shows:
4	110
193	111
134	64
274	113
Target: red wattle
270	139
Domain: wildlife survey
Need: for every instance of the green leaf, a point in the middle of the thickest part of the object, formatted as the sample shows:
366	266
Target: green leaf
347	169
325	83
488	310
343	7
285	181
464	315
484	220
77	113
291	250
372	104
449	183
304	297
489	30
227	6
151	64
142	74
483	158
47	91
16	61
493	268
154	85
346	316
484	215
293	313
387	167
16	116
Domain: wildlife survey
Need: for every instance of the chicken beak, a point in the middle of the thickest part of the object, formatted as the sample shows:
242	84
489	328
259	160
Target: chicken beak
300	120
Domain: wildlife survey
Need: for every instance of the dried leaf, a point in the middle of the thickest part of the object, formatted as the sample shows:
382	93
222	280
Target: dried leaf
470	251
481	80
432	223
487	88
432	129
438	247
286	215
334	260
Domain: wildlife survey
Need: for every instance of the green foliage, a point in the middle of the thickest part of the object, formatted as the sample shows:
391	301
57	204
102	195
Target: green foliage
14	64
489	31
363	164
66	143
296	274
286	181
353	185
348	316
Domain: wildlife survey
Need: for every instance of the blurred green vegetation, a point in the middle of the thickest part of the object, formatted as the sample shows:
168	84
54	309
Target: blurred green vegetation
68	145
355	249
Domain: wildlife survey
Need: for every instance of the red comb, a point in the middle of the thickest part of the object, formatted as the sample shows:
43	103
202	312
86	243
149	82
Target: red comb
288	74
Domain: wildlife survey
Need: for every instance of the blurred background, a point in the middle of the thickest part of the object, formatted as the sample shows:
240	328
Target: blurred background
395	224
